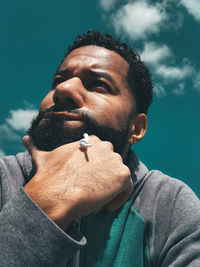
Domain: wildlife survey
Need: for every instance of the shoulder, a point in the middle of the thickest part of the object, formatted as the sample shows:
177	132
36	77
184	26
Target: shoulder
160	189
172	212
163	198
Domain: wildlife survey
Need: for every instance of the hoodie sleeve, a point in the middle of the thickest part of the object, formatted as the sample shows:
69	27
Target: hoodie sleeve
28	237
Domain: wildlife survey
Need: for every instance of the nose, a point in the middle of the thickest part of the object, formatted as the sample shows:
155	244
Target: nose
70	93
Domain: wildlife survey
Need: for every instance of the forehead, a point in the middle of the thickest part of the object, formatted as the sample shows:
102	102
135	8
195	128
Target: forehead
97	58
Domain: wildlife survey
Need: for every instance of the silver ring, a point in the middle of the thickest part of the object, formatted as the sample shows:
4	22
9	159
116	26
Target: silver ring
84	143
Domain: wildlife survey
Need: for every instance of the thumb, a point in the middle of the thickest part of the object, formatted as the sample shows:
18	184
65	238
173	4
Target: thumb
27	141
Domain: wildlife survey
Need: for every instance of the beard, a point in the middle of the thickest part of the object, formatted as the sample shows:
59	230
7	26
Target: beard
52	134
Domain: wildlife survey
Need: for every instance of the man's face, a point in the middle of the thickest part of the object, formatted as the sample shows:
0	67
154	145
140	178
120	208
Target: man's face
89	94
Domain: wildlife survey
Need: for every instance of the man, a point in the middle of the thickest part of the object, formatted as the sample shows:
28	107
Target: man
68	205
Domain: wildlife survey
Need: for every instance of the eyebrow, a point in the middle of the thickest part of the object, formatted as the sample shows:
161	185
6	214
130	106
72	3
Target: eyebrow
62	72
97	74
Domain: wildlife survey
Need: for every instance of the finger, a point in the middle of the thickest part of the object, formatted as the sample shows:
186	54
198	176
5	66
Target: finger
29	144
94	138
120	200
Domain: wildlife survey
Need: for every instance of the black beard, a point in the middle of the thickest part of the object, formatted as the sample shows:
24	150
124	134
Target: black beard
51	134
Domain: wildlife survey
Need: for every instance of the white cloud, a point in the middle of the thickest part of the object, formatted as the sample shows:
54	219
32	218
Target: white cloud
20	118
7	133
107	5
160	58
196	81
174	72
159	90
154	54
17	121
180	89
2	153
193	7
163	65
138	19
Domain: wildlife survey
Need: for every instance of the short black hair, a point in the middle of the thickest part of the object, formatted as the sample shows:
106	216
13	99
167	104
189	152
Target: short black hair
138	77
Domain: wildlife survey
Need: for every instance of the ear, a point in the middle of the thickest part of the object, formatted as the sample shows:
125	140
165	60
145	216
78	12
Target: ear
138	128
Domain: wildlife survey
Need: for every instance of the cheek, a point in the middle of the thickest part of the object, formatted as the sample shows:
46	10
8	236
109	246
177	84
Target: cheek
114	112
47	102
121	116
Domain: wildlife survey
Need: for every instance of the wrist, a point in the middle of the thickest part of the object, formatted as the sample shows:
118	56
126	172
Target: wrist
60	210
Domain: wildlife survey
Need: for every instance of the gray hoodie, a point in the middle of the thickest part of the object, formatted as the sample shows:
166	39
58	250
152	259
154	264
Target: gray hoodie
28	237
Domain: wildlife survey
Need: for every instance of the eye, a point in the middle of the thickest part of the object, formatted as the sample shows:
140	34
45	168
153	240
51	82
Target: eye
57	81
99	85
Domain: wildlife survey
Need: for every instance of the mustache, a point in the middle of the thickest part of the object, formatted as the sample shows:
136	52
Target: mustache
51	134
86	115
56	108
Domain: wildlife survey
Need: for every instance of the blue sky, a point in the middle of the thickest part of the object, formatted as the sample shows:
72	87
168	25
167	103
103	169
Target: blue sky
35	35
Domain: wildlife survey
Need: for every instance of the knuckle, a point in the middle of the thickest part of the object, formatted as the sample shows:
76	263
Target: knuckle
108	145
125	171
117	156
94	138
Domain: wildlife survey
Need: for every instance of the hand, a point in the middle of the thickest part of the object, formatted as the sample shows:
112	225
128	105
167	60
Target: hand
67	185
